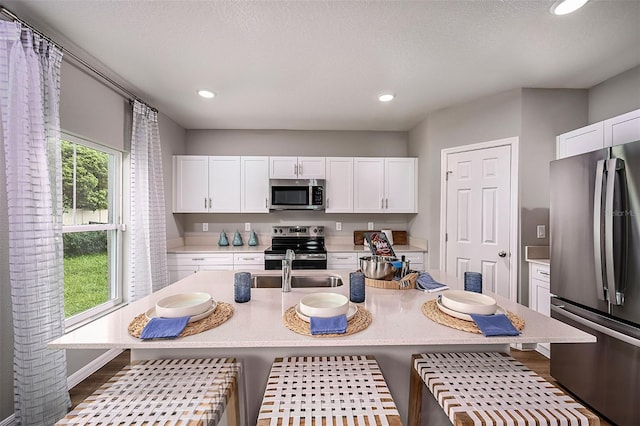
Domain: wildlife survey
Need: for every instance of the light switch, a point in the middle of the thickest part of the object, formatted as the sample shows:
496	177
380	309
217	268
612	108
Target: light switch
370	226
205	227
247	226
541	231
338	226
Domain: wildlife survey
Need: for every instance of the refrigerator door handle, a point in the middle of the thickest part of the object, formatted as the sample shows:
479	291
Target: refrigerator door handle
597	230
615	278
595	326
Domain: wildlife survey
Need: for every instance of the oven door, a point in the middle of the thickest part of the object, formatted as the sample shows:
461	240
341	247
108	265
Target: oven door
273	261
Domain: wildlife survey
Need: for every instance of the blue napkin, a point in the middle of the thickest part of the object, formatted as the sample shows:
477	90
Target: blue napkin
426	283
164	328
495	325
330	325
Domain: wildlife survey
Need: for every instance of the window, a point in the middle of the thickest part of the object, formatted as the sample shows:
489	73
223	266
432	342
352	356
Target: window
91	194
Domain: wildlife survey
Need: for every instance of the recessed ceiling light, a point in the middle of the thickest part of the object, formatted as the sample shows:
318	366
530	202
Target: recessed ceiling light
208	94
564	7
386	97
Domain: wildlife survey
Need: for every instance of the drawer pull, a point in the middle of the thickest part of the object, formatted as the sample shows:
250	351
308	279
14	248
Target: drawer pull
198	258
545	273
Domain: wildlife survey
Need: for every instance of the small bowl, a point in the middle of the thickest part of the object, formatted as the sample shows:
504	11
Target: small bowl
469	302
377	267
183	305
324	305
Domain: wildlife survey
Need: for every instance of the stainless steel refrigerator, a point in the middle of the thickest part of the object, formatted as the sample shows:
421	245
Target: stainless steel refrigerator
595	277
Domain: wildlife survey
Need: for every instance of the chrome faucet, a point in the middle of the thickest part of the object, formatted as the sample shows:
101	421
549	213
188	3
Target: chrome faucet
287	264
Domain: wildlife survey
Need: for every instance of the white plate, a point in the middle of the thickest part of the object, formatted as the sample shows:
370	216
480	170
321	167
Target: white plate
469	302
352	311
460	315
151	313
183	305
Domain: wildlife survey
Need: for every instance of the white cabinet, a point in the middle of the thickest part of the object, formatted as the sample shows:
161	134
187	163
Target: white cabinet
611	132
206	184
585	139
254	183
248	261
297	167
181	265
385	185
540	295
343	260
339	185
622	129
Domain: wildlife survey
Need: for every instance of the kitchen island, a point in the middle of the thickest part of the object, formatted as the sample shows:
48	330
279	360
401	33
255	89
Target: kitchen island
255	334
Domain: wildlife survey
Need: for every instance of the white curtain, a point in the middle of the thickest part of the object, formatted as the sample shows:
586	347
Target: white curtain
148	271
29	106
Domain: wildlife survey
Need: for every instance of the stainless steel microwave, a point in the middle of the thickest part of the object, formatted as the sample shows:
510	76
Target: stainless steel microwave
296	194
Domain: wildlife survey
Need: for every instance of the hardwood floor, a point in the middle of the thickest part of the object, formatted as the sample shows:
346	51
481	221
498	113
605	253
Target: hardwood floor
78	393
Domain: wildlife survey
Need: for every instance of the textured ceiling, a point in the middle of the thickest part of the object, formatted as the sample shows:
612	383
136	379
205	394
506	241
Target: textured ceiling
320	64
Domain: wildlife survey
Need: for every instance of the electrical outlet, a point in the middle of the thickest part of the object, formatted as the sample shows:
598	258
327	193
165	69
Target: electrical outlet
247	226
205	227
370	226
338	226
540	231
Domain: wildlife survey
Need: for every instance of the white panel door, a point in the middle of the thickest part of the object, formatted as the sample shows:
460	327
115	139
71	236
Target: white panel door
478	215
224	184
254	180
368	187
339	185
190	184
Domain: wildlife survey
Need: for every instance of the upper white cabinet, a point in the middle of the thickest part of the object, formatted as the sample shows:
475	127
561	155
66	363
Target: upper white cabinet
585	139
254	181
205	184
622	129
614	131
385	185
297	167
339	185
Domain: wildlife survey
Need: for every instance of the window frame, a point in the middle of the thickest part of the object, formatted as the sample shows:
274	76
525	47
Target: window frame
116	194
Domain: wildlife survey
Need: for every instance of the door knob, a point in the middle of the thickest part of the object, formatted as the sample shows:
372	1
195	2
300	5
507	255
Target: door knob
502	253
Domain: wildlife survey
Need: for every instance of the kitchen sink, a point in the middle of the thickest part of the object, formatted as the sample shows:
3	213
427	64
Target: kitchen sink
299	281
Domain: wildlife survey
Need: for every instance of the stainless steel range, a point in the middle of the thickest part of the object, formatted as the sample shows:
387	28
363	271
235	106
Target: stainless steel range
307	242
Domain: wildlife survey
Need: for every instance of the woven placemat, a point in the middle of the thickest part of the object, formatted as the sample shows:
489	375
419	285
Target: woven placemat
430	309
358	322
223	312
410	280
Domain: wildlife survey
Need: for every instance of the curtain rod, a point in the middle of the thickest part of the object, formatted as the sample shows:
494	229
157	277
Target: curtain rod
10	14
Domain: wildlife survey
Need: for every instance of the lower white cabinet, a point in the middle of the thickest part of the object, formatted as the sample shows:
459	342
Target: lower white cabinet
343	260
248	261
415	258
181	265
540	295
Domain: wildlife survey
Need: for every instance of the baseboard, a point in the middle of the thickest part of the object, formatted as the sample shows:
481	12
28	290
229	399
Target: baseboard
9	421
91	368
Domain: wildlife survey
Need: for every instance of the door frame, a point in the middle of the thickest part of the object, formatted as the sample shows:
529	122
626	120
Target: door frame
514	255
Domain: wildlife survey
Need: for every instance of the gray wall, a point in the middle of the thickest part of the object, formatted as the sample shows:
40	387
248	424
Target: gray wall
535	116
615	96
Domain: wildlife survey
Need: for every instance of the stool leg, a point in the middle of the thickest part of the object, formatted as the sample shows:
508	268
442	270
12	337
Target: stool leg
415	398
233	404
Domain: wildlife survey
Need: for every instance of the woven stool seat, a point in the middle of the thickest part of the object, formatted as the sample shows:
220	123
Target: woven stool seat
491	389
164	392
319	391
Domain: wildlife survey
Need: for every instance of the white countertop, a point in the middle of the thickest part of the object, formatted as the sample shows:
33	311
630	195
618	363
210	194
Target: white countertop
360	248
397	320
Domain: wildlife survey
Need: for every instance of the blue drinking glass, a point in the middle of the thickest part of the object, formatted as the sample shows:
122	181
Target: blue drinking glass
473	281
356	287
242	287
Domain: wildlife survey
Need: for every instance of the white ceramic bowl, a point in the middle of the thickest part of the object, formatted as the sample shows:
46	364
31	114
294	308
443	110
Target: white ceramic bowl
469	302
324	305
183	305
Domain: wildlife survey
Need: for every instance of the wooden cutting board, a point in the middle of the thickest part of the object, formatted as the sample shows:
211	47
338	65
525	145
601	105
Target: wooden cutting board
399	237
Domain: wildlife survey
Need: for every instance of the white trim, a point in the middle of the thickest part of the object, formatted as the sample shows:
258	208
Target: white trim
92	367
513	220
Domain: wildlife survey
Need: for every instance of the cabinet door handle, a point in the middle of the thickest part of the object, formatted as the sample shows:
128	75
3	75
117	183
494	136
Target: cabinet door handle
545	273
386	203
209	202
300	169
266	203
295	169
205	202
382	203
